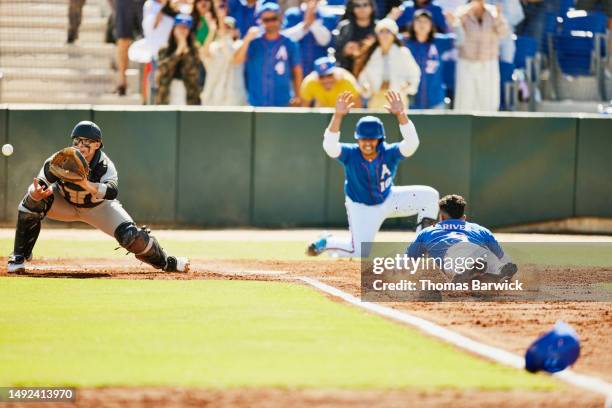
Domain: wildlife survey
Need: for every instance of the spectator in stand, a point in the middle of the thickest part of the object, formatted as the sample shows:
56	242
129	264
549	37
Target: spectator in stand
287	4
179	60
383	7
535	20
322	87
225	83
244	13
421	44
272	62
478	27
128	26
355	32
404	14
513	12
450	5
388	65
311	28
75	14
201	10
157	23
606	7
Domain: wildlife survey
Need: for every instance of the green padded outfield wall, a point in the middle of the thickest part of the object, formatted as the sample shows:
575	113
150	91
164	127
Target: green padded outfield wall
214	170
289	169
35	135
522	169
142	144
4	162
594	168
267	168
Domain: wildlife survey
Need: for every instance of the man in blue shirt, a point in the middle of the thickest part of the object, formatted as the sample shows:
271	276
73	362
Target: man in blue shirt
453	238
272	62
244	13
370	166
312	29
408	8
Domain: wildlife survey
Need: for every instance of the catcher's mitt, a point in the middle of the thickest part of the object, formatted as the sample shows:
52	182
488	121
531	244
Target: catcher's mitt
69	165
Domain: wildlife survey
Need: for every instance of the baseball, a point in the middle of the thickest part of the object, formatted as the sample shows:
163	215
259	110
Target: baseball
7	149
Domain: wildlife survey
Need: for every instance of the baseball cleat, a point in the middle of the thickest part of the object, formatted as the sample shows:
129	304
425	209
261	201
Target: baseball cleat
177	264
16	264
317	247
507	272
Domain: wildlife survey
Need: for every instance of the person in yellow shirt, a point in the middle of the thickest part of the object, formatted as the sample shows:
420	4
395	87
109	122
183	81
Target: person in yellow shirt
322	86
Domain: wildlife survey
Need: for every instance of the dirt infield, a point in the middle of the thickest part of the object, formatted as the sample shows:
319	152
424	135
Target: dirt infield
509	325
275	398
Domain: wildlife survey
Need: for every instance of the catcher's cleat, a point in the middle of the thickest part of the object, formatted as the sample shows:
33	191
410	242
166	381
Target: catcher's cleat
507	272
16	264
177	264
317	247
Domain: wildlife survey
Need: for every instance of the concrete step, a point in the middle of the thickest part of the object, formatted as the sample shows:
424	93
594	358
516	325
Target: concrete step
97	24
32	9
76	50
20	3
569	106
50	83
51	87
54	61
71	98
578	88
55	35
63	74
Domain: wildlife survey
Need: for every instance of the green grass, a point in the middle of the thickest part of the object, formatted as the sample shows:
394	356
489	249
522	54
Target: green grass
220	334
562	253
62	248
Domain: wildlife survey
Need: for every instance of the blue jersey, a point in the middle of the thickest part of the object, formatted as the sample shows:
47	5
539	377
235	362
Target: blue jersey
244	14
435	240
368	182
431	89
409	7
269	70
310	50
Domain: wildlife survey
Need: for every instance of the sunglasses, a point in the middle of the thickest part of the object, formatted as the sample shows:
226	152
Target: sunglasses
361	5
269	19
81	140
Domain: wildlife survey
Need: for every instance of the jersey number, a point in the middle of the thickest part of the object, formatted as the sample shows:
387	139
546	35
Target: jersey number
385	184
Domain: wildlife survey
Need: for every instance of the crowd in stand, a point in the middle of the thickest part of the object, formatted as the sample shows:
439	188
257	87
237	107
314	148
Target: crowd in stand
304	53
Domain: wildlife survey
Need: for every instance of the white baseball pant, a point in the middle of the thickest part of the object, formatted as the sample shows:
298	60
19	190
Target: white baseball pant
365	220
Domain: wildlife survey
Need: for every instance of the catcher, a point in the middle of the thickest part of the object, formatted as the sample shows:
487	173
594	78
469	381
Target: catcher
80	183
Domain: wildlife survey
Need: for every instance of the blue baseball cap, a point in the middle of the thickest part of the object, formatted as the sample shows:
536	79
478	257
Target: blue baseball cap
369	127
268	6
554	351
183	19
324	65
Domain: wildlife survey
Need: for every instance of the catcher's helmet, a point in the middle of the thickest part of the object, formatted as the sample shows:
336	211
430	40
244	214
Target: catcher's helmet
88	130
369	127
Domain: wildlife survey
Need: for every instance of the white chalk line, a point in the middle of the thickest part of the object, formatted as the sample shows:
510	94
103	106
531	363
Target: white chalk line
493	353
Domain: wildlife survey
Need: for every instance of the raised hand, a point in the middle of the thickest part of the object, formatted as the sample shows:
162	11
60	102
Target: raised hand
252	33
450	18
344	103
40	191
394	105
